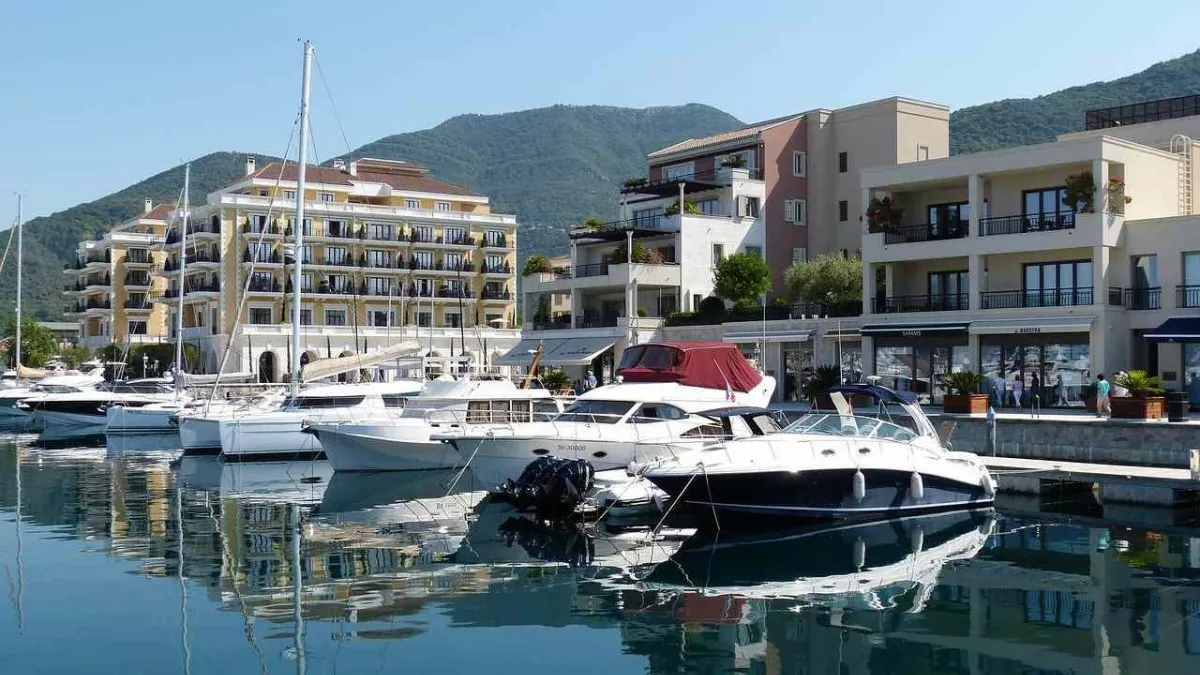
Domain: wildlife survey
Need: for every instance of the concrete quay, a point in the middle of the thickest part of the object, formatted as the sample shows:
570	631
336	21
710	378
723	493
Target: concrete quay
1121	483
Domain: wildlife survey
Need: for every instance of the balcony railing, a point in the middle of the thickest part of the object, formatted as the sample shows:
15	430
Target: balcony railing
1146	111
494	242
137	304
92	304
137	279
656	222
496	295
1187	296
824	309
907	234
1116	296
194	287
1143	298
1062	297
921	303
497	269
1046	222
710	176
593	321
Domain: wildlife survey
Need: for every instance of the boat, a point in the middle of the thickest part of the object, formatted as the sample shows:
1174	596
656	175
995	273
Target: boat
831	465
199	425
403	441
88	410
58	384
661	386
161	418
279	434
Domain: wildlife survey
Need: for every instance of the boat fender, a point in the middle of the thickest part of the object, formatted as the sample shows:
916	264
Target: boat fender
988	485
916	540
860	553
860	486
916	487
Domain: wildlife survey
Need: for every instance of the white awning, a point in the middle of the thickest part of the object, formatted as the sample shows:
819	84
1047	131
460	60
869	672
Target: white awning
556	351
522	354
844	334
777	335
323	368
1050	324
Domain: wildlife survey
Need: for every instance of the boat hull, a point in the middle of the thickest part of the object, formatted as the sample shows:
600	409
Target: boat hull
495	459
52	419
371	447
267	437
147	420
200	435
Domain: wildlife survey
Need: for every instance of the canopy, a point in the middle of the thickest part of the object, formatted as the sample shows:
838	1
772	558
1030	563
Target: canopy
1177	329
712	365
915	330
557	351
190	380
777	335
1050	324
27	373
323	368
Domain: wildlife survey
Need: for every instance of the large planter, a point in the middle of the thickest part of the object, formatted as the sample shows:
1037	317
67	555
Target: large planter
965	404
1090	403
1133	408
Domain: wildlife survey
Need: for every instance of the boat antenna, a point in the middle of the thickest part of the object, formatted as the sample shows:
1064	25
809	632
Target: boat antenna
298	230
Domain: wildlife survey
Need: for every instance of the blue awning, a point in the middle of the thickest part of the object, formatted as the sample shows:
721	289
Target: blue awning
1178	329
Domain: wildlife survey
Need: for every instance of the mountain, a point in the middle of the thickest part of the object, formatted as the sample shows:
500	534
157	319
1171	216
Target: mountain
1021	121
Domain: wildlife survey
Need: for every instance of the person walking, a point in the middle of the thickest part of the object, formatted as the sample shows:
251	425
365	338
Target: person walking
1103	402
591	380
1018	389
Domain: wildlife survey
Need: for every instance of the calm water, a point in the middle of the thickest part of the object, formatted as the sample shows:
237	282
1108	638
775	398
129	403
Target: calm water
127	560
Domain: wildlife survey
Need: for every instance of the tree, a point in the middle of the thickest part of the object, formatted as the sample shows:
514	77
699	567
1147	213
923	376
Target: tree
742	276
641	254
828	279
536	264
74	355
37	342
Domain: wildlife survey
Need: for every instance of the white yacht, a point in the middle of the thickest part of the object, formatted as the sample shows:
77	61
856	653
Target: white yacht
88	409
394	442
160	418
58	384
279	433
200	424
662	386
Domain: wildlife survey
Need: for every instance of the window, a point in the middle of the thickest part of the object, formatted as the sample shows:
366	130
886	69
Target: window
305	316
378	258
337	283
306	282
648	216
843	162
260	315
453	319
1191	269
335	317
423	233
455	235
306	254
718	254
650	413
137	327
799	163
424	287
379	231
922	153
799	255
258	224
709	207
215	316
454	261
262	192
676	171
424	260
843	211
493	263
1145	271
755	250
1058	284
379	286
494	238
441	206
380	318
948	219
1045	207
259	251
950	288
308	231
795	211
138	255
424	319
412	203
750	207
335	255
289	195
324	196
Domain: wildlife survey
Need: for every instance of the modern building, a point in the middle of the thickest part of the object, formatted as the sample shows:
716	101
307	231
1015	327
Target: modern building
389	254
111	284
1043	265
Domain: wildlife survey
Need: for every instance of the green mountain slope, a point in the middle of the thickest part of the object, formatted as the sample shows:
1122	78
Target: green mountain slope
1021	121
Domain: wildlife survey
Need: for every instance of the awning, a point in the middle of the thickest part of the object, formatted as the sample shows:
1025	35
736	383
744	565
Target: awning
843	334
915	330
777	335
1052	324
1179	329
556	351
323	368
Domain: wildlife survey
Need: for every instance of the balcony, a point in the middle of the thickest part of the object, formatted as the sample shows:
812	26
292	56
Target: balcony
194	288
496	295
139	258
265	286
902	304
92	306
273	258
138	305
494	242
497	269
908	234
1062	297
137	280
600	275
1048	222
693	182
1187	296
616	229
1143	298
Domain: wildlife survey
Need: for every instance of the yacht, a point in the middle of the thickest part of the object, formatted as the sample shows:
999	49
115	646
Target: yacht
831	465
279	433
88	409
200	424
662	386
160	418
58	384
394	442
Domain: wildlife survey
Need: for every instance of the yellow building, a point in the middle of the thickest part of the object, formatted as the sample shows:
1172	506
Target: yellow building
385	247
112	284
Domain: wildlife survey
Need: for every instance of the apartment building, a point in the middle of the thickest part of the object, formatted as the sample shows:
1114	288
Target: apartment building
389	253
111	285
1043	265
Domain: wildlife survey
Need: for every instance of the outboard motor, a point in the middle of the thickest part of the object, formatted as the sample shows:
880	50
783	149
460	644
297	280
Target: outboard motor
552	542
550	486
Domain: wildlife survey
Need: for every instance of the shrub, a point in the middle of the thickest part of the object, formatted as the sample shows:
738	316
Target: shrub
536	264
711	307
689	207
963	382
734	162
643	312
635	182
883	214
823	378
1140	383
827	279
742	276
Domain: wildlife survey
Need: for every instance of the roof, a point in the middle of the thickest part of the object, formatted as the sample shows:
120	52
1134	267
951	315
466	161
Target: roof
746	132
159	212
403	176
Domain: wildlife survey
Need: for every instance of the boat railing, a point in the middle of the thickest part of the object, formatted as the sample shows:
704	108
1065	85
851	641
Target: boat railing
859	426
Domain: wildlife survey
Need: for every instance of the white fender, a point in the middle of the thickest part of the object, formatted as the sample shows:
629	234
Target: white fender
988	485
916	540
916	487
860	554
860	485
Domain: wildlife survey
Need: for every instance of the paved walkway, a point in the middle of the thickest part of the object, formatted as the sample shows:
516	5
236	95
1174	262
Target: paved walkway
1079	415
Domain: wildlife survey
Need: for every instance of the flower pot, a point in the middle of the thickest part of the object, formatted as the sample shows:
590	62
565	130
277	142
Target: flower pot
1090	403
965	404
1133	408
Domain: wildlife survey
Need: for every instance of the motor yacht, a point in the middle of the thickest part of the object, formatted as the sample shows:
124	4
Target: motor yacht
279	433
57	384
661	386
832	465
88	409
402	440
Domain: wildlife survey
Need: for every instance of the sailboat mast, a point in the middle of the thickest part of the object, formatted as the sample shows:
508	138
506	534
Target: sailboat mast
20	264
183	228
298	226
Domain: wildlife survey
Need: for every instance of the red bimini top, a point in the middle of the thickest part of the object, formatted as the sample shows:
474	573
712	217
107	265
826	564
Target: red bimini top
713	365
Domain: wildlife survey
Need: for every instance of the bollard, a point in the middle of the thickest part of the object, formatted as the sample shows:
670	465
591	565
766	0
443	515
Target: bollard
1195	464
991	423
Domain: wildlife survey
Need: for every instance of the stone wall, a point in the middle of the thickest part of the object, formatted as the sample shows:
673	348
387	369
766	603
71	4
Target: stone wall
1100	441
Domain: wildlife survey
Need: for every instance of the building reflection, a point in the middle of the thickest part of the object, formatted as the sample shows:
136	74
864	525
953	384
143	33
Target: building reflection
1043	599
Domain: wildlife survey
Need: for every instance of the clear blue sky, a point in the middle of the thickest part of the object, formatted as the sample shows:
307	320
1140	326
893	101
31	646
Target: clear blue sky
99	95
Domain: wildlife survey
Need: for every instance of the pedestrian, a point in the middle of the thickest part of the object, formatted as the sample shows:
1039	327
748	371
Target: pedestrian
591	380
1060	388
1103	403
1018	389
577	387
1035	388
998	390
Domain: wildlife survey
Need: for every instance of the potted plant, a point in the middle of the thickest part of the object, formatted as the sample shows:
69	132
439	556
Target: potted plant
734	162
555	380
883	214
635	182
964	397
1117	199
1081	191
1145	400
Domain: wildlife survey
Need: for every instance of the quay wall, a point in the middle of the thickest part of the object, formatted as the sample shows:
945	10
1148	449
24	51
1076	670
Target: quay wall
1099	441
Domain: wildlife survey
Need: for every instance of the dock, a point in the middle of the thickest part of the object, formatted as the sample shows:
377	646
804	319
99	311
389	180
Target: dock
1124	483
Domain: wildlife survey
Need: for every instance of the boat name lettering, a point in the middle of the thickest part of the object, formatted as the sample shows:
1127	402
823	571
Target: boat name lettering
570	447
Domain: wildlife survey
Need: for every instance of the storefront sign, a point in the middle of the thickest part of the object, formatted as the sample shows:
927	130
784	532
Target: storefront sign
1029	329
910	333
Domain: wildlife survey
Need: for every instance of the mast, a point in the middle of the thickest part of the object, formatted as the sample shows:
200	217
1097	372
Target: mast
20	264
187	186
298	227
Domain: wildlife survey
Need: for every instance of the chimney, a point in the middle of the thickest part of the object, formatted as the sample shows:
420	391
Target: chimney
249	165
147	205
354	168
339	164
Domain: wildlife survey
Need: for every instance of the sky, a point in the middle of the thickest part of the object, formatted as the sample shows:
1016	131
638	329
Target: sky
96	96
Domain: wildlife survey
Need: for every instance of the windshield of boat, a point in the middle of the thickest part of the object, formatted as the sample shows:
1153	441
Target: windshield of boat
54	388
320	402
596	412
834	424
135	388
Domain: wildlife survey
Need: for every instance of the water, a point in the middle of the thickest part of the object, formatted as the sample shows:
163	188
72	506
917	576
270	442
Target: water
127	560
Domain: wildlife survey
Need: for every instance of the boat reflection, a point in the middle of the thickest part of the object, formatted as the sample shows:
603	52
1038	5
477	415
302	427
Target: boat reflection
165	444
289	482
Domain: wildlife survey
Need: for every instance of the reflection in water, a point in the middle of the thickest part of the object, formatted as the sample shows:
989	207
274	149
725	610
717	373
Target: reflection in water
286	567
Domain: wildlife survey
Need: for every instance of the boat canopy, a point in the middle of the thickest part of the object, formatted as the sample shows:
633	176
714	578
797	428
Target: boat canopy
712	365
323	368
884	396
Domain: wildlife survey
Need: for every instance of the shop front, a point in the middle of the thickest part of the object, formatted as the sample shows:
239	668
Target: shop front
1185	333
915	357
1044	361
